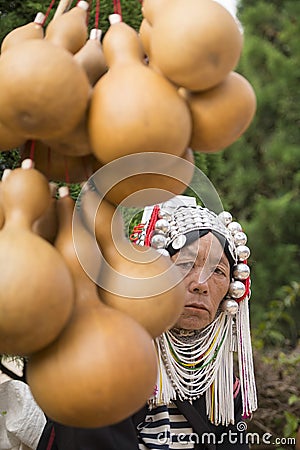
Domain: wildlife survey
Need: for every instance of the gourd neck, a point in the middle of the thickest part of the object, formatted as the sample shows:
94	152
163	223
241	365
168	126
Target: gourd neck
84	285
18	219
109	230
122	46
25	196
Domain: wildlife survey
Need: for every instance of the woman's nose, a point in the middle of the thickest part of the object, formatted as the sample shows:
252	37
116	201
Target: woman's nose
200	288
199	282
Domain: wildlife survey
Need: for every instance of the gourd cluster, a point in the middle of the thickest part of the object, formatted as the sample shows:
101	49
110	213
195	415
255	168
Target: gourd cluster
168	88
164	90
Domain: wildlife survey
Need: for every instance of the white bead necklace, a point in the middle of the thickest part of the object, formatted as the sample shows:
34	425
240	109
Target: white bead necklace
192	361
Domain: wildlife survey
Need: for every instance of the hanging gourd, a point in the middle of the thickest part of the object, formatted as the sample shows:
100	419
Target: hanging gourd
91	57
145	36
150	8
58	167
44	92
9	139
69	30
1	209
102	367
32	30
46	226
157	178
37	294
74	143
133	109
195	44
136	280
222	114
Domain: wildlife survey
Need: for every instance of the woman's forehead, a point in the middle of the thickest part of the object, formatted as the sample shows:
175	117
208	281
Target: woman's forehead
206	247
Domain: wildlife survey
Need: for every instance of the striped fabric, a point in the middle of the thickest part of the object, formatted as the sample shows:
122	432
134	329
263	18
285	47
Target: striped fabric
165	428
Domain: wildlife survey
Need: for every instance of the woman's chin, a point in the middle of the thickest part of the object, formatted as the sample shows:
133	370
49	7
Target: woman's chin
193	321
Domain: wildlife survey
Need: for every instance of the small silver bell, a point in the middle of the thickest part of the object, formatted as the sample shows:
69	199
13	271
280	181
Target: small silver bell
234	227
240	238
158	241
229	306
236	289
242	252
241	271
162	225
225	217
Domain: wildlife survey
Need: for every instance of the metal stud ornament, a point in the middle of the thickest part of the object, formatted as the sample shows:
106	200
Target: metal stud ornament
225	217
240	238
242	252
241	271
158	241
234	227
236	289
229	306
162	225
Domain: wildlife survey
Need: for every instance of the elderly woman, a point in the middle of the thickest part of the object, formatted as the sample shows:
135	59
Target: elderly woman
198	402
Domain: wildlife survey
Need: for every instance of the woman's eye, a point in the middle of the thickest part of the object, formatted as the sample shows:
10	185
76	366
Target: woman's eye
219	271
186	266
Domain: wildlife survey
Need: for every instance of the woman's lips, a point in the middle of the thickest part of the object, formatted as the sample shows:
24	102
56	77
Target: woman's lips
198	306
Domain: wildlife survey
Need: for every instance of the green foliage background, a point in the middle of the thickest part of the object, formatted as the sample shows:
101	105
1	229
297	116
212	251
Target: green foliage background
258	177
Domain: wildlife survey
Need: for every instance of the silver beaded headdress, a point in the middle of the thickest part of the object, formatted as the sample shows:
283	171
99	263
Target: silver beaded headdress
166	228
186	219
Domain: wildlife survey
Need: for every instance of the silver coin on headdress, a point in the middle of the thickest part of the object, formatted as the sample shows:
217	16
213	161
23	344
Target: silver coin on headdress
179	242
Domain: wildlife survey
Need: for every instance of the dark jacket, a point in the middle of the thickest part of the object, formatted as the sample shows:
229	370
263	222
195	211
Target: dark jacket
123	436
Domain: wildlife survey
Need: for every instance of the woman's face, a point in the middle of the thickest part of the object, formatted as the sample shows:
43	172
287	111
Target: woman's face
207	277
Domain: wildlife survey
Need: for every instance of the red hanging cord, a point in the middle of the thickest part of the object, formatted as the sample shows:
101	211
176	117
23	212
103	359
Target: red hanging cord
32	148
117	7
151	225
48	12
247	290
97	14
